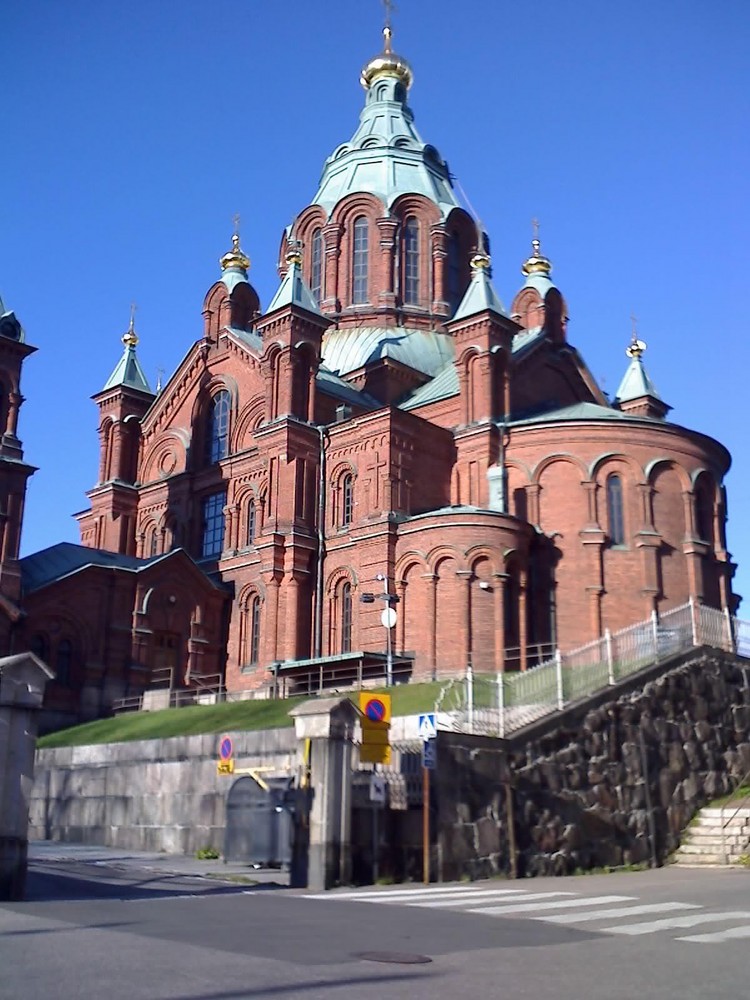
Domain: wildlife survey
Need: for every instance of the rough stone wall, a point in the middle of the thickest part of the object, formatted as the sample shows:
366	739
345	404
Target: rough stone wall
613	785
152	795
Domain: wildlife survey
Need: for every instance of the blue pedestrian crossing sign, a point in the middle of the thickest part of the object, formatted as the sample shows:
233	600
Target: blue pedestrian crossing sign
429	755
427	727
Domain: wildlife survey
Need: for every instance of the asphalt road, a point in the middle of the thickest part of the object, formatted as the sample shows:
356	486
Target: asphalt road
110	926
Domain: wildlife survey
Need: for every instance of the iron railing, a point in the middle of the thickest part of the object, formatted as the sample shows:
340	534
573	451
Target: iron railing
499	704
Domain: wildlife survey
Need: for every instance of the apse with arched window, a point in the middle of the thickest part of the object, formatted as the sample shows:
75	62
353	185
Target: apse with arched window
360	240
217	429
347	500
615	512
316	265
410	269
345	595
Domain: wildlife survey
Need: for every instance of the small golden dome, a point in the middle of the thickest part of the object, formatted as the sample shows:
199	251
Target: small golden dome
235	258
480	261
386	64
536	263
130	337
294	252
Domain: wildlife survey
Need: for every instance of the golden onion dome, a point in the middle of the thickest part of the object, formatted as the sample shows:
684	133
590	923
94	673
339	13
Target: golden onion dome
130	337
235	258
536	263
386	64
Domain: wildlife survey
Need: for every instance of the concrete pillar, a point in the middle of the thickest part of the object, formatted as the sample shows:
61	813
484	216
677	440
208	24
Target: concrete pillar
22	681
328	723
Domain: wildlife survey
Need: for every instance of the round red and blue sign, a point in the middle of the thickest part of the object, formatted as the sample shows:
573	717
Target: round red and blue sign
375	710
225	748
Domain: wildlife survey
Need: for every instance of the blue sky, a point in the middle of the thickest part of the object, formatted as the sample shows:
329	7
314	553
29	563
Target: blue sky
133	133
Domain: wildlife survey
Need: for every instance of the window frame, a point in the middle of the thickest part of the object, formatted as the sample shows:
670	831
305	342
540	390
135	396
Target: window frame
254	631
347	500
217	427
615	511
213	531
360	260
346	617
411	261
317	270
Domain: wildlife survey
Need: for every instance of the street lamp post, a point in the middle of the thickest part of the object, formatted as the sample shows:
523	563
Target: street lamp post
388	618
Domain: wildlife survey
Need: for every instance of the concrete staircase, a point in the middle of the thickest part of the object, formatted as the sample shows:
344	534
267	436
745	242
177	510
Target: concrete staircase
716	837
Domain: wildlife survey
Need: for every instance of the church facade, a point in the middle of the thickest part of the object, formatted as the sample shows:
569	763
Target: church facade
386	427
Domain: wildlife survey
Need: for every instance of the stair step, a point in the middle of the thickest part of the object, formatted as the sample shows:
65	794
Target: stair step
705	859
690	848
704	837
726	812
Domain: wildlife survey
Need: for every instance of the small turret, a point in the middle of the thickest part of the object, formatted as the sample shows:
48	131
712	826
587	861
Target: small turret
637	394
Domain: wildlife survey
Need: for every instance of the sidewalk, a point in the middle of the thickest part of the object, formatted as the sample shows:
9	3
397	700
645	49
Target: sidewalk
42	851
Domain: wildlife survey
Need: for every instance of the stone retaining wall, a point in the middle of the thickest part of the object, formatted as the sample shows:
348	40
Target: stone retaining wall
151	795
613	785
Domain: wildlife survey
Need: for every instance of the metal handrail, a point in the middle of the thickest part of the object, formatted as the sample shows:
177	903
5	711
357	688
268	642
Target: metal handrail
724	825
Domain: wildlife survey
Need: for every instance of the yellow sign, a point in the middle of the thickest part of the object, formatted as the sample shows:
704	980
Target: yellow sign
225	767
375	719
375	753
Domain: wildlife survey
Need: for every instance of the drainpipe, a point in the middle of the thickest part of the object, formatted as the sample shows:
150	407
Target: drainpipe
318	625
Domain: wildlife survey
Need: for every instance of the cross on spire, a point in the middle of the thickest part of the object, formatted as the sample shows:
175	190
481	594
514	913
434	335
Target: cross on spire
390	7
133	308
535	227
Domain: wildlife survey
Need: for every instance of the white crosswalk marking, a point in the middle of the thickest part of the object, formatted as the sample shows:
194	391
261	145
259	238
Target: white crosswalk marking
672	923
730	934
499	911
621	911
461	900
560	907
398	895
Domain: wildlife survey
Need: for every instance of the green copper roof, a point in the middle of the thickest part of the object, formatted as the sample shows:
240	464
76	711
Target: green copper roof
294	292
128	373
480	295
386	156
347	349
579	411
636	383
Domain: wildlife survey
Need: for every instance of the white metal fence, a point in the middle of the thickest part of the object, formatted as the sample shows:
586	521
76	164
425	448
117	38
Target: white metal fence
498	704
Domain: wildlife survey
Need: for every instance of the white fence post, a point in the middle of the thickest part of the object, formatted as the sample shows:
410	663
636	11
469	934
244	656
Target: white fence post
730	630
470	695
501	702
655	629
559	673
610	657
694	622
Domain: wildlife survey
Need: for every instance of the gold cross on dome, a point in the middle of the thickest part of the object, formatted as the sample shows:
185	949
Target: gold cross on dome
133	308
634	326
535	227
236	224
390	7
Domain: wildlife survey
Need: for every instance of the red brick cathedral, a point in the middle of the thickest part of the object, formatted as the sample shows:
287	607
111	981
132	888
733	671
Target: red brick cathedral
384	425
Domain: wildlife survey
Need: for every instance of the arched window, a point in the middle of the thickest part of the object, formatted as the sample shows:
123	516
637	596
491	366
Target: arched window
704	510
346	618
615	517
360	233
252	512
154	543
212	539
411	261
217	437
316	266
64	661
347	500
255	630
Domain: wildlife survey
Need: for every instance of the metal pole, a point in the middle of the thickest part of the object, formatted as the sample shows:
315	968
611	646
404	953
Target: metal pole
501	703
693	621
388	655
558	671
470	694
425	826
655	632
610	658
375	872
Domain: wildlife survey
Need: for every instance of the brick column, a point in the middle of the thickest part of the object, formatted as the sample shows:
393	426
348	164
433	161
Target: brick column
522	623
501	583
432	580
332	242
464	614
388	230
439	246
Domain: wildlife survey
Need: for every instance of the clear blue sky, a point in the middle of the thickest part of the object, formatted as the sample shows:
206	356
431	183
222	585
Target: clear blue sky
133	132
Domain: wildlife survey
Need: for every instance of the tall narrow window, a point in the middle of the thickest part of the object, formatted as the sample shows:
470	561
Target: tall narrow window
347	500
64	661
255	630
39	646
213	525
704	511
251	522
155	543
316	266
346	618
454	272
217	437
615	519
359	260
411	261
